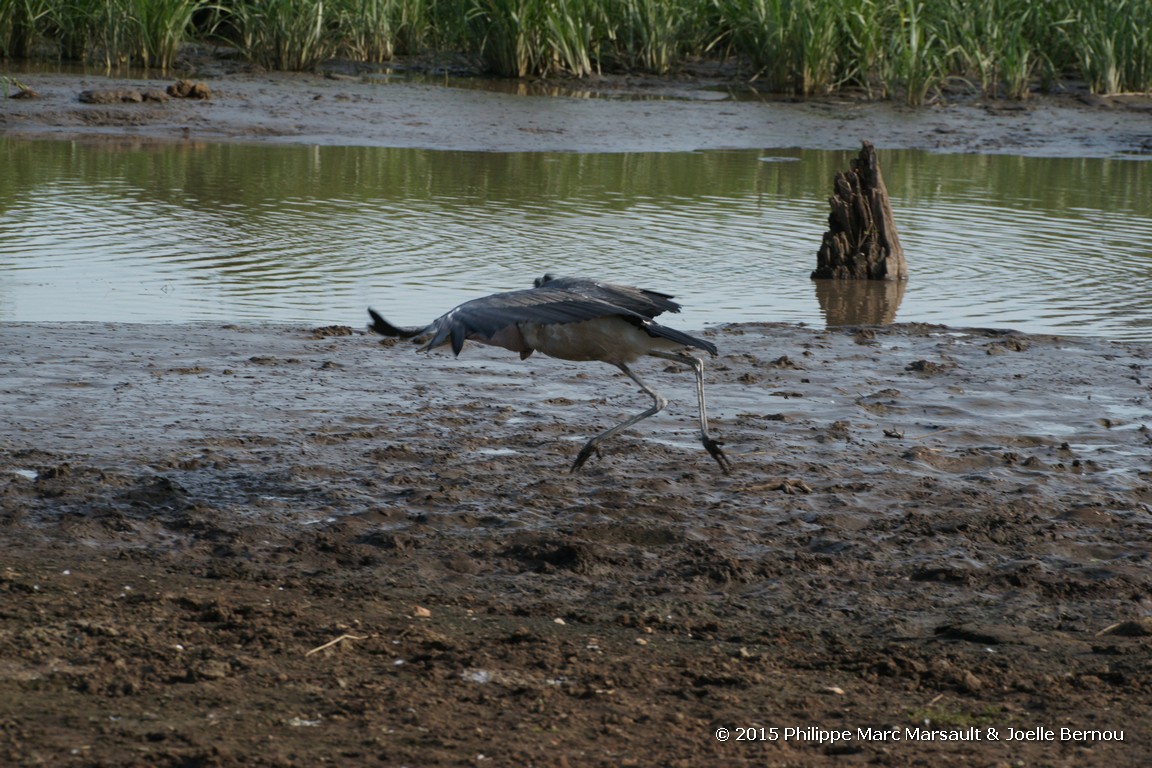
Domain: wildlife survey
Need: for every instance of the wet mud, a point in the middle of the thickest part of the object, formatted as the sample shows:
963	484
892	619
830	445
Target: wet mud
284	546
602	115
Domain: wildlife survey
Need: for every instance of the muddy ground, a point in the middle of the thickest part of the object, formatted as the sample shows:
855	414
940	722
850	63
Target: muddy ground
925	527
283	546
706	109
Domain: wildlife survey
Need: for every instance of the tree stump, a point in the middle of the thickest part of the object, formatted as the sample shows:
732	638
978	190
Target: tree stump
861	241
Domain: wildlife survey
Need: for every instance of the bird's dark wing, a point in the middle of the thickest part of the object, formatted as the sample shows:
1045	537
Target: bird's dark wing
492	316
638	300
555	300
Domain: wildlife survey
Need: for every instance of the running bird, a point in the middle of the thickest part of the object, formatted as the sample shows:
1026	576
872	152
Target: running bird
575	318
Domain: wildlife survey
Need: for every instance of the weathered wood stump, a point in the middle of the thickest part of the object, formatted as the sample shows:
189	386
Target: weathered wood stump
861	241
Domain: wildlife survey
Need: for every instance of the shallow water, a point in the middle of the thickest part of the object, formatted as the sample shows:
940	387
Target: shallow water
141	232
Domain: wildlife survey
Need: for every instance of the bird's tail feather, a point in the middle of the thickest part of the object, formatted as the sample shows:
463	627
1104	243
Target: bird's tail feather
664	332
385	328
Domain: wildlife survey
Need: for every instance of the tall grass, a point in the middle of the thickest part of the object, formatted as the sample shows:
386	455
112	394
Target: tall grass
863	45
1112	43
283	34
158	28
906	49
521	38
655	35
145	32
763	32
369	30
19	20
916	53
377	30
791	45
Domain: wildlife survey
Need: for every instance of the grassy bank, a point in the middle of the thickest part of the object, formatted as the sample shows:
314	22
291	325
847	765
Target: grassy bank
903	49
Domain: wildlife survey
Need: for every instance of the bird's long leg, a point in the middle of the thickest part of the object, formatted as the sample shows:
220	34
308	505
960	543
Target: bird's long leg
711	445
658	404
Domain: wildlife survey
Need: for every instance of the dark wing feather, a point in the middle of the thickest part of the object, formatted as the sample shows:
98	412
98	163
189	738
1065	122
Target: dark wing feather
638	300
554	300
488	316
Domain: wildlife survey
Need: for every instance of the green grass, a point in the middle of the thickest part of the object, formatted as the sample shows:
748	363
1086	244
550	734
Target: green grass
117	32
1112	43
283	34
20	21
900	49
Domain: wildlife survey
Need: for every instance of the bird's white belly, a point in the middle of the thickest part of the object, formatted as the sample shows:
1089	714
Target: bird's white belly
610	339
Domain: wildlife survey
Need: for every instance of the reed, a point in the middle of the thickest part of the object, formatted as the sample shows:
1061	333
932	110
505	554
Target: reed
568	36
893	48
378	30
19	20
796	46
522	38
282	34
158	27
1002	44
818	46
369	30
504	33
655	35
1112	43
916	54
863	45
759	32
145	32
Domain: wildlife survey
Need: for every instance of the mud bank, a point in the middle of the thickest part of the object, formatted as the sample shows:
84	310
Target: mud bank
607	115
926	528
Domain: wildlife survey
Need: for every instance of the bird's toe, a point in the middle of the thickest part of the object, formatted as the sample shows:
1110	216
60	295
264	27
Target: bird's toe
714	450
584	455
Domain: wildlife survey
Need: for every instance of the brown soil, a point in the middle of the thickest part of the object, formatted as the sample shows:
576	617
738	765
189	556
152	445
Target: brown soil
272	546
925	528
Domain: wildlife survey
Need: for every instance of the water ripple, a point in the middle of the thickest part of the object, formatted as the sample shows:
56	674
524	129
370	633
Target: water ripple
734	238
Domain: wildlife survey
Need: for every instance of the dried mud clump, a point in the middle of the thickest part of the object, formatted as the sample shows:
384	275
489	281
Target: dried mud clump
121	96
186	89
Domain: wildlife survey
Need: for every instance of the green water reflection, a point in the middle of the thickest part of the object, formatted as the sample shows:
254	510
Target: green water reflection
226	175
251	231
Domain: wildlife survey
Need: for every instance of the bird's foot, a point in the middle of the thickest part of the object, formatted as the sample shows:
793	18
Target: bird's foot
585	453
713	448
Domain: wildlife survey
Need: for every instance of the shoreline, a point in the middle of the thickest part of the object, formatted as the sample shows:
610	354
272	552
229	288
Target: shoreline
668	117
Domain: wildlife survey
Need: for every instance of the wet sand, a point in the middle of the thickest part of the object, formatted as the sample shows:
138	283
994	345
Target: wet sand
283	546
